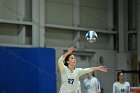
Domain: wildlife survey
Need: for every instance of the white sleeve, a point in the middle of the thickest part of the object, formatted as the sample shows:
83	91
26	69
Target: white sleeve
84	71
128	87
98	86
84	81
114	88
61	64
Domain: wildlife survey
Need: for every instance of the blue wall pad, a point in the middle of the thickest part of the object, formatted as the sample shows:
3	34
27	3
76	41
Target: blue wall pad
27	70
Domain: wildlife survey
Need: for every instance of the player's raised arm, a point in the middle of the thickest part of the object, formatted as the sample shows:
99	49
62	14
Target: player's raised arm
68	52
61	59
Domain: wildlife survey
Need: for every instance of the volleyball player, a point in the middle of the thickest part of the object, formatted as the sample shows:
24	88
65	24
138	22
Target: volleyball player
92	84
121	86
70	75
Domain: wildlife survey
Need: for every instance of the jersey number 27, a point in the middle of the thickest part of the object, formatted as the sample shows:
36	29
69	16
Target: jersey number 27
70	81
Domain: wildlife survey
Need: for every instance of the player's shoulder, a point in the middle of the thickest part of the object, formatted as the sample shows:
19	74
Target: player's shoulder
85	80
127	83
94	78
77	69
66	69
116	83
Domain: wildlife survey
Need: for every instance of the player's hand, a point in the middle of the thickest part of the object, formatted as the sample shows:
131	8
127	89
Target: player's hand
102	68
70	50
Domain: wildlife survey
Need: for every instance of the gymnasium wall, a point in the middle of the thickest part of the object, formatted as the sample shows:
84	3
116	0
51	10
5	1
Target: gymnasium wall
93	14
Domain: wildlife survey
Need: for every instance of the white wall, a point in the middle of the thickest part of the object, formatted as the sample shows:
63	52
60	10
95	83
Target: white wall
8	9
93	14
59	12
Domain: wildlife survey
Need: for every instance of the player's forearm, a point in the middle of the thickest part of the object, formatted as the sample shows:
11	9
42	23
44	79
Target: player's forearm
68	52
94	68
60	63
100	68
64	56
60	60
84	71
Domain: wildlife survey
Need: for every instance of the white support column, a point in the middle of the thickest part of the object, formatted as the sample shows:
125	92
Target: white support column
110	21
110	14
134	13
138	30
122	56
36	23
38	19
76	22
76	41
125	25
121	25
21	16
42	23
76	13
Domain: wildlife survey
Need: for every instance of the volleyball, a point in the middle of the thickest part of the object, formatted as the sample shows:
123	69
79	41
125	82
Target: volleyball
91	36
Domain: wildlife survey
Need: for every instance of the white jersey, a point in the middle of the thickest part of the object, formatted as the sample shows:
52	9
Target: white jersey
121	88
70	80
92	85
